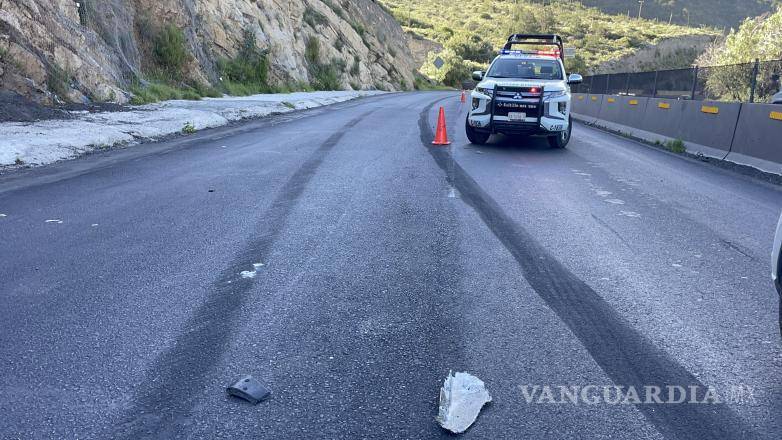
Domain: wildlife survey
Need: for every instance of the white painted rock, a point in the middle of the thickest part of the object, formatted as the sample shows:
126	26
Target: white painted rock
461	399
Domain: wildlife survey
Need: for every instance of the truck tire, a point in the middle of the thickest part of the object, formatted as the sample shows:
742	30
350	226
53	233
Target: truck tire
475	136
563	138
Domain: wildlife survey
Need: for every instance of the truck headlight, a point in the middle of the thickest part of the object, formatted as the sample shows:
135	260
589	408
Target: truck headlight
485	91
554	94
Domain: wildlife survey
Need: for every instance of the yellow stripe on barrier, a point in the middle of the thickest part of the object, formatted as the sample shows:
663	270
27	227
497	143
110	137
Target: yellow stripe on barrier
633	102
710	109
594	98
611	100
581	97
776	115
664	105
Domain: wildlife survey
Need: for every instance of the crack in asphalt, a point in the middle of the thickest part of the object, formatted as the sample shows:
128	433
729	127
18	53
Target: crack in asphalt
622	352
164	401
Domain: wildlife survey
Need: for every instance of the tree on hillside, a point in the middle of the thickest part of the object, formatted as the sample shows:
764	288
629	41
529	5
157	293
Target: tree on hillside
759	38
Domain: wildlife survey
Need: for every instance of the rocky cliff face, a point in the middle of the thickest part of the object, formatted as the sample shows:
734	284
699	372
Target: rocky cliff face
94	49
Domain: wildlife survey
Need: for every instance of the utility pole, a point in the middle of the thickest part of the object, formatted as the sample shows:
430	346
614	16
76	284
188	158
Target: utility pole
640	8
670	20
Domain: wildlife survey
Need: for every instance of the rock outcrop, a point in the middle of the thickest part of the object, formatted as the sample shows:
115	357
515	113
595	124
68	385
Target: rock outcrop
93	50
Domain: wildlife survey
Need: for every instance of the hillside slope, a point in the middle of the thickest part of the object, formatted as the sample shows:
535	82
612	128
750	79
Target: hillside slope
472	31
97	50
718	13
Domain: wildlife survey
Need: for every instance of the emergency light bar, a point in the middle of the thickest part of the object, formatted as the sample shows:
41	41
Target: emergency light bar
550	53
537	40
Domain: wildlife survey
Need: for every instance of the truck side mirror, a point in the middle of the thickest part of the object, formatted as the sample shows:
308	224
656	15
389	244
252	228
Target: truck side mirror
575	79
477	75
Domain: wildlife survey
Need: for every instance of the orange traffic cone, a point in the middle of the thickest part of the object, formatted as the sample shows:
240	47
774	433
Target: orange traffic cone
463	99
441	136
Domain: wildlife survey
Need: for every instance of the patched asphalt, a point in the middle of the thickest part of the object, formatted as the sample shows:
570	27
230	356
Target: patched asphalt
386	262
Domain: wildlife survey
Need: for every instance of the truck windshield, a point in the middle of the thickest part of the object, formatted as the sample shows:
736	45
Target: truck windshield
525	69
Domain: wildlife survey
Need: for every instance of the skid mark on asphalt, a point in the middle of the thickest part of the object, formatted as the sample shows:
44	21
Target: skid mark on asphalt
163	403
624	354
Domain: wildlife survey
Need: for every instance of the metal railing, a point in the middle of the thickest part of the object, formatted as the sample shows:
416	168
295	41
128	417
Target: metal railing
749	82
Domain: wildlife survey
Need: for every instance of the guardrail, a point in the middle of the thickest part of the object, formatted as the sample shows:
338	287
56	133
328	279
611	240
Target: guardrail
748	82
743	133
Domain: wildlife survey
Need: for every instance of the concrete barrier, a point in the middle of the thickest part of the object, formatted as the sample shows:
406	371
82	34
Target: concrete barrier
708	123
747	134
758	139
593	104
579	102
663	117
611	109
624	110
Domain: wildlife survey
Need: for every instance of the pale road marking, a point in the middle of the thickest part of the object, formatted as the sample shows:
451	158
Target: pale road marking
3	215
631	214
58	221
615	201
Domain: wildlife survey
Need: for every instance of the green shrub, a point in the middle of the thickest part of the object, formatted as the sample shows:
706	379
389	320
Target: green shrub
358	28
58	81
356	67
337	10
247	73
314	18
324	76
189	128
312	50
160	91
676	146
170	50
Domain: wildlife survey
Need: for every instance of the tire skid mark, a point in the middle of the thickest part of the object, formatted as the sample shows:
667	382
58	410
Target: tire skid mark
163	402
624	354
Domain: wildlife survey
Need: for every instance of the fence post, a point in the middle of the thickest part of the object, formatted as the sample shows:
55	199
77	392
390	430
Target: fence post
592	84
608	83
753	82
654	90
627	85
694	82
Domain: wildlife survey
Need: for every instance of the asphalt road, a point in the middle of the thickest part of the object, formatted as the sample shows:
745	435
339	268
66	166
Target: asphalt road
386	263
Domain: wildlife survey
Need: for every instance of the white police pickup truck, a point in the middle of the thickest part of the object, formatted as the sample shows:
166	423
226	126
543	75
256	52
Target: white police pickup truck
524	92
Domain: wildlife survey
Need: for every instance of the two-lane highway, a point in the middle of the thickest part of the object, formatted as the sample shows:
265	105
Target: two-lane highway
348	264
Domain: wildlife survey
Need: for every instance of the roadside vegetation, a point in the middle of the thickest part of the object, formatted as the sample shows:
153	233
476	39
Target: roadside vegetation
676	146
471	32
326	75
164	71
242	75
757	39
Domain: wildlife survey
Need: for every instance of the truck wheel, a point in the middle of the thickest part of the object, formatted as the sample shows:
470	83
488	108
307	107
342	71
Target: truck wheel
563	138
475	137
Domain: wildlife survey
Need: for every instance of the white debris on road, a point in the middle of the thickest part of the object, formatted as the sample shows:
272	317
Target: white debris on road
461	399
251	273
248	273
43	142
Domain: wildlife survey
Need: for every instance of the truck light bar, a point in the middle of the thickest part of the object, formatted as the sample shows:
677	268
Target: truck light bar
537	40
550	53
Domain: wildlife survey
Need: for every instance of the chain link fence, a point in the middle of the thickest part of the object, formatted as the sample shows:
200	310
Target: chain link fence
749	82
